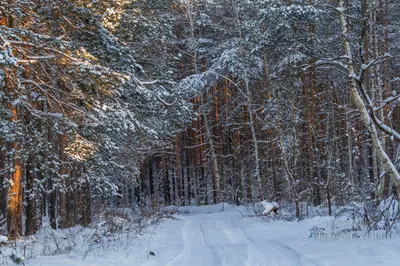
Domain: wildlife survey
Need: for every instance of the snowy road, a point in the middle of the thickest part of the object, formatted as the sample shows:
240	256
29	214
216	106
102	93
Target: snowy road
217	240
208	236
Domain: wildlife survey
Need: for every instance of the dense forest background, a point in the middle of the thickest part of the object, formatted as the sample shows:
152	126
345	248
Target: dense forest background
140	104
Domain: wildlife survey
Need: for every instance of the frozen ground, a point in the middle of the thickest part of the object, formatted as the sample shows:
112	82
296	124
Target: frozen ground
208	236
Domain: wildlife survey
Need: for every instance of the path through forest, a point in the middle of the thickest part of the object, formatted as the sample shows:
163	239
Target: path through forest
208	236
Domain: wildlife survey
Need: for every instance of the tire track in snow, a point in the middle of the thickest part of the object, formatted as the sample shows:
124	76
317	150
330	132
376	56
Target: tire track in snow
269	252
195	249
258	255
228	252
283	249
265	253
186	246
217	239
210	246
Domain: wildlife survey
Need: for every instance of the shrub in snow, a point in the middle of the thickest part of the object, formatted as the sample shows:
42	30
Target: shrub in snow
17	259
265	208
389	208
317	232
344	228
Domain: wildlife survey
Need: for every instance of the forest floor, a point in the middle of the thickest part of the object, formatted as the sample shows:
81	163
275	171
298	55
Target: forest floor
222	235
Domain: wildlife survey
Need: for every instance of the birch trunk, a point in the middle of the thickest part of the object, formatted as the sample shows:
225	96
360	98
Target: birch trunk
214	158
254	139
360	105
257	174
191	17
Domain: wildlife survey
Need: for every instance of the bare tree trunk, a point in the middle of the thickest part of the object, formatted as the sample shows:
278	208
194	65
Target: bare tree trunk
214	158
14	207
178	191
360	105
3	190
254	139
63	189
30	209
86	203
289	175
52	203
191	17
257	168
14	217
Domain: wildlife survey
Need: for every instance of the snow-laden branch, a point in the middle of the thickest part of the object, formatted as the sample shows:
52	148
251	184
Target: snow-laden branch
386	102
46	48
142	84
365	67
382	126
164	102
327	61
385	128
46	92
337	9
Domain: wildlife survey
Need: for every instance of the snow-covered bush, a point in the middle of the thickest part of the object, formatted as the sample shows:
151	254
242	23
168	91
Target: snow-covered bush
17	258
266	208
342	228
361	220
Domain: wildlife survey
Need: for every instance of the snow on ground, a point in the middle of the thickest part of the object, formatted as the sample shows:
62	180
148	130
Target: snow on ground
3	238
221	235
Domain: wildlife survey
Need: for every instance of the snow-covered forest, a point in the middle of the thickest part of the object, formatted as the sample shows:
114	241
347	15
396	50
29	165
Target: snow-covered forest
118	115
